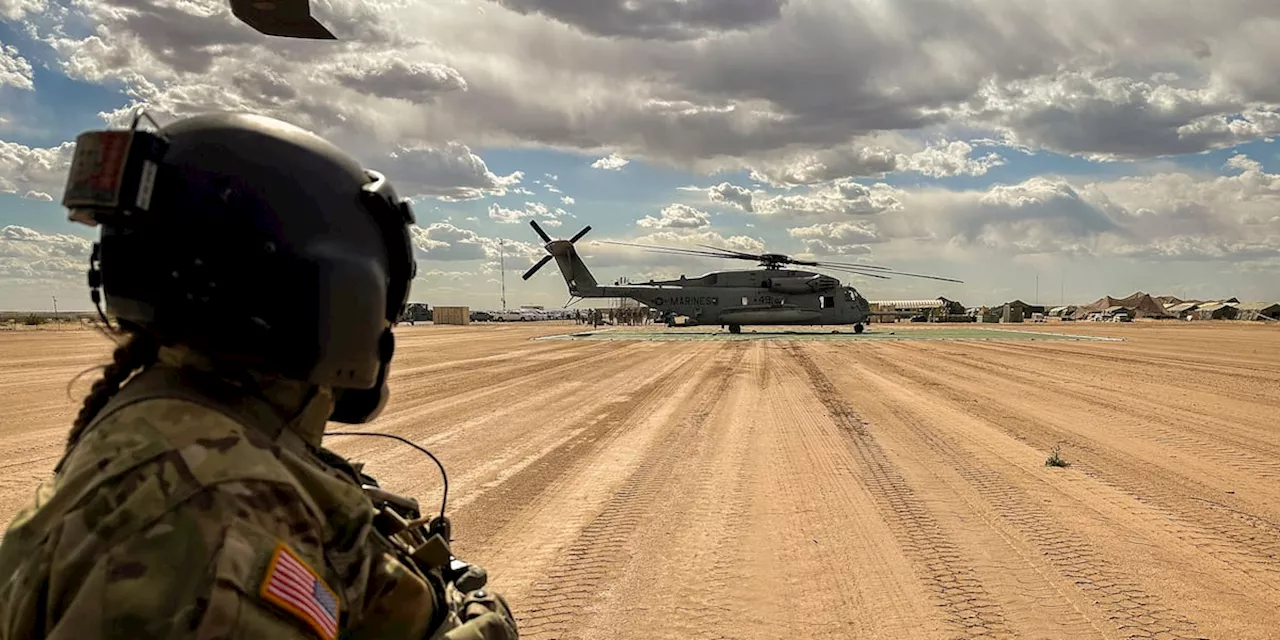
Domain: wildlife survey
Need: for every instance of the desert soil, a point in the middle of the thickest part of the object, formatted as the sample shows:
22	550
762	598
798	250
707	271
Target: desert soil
818	489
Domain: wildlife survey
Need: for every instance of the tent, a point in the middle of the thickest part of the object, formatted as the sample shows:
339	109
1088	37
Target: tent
1259	310
1216	311
1141	304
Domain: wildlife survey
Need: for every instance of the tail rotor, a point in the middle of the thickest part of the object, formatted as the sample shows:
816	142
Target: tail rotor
554	247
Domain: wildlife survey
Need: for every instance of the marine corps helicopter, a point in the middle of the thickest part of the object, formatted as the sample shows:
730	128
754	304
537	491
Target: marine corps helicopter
771	295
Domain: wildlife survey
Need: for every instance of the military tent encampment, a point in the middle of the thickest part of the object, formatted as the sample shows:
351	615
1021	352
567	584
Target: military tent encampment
1141	304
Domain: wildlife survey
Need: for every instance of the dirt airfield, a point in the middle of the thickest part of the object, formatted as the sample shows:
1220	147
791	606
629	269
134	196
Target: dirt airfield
817	489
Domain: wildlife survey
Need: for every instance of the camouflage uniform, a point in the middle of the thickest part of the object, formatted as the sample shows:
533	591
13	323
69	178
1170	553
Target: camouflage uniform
165	518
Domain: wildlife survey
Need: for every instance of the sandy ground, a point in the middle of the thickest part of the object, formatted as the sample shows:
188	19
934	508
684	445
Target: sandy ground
817	489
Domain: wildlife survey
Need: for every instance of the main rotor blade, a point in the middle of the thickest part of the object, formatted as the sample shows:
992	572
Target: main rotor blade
534	269
741	254
675	250
854	264
921	275
859	273
543	234
887	272
580	234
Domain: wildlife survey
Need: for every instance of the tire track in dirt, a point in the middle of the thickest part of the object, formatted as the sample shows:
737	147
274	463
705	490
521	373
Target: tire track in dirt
968	606
682	574
459	390
1140	367
816	507
489	511
523	532
462	423
1211	431
1130	610
1255	374
1197	514
572	585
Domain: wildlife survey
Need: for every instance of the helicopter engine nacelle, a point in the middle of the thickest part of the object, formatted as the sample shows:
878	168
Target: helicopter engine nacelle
801	285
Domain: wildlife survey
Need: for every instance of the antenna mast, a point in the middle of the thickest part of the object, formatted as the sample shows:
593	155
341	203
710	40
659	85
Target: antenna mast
502	262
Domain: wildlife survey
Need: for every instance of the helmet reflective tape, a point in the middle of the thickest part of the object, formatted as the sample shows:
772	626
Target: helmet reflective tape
112	173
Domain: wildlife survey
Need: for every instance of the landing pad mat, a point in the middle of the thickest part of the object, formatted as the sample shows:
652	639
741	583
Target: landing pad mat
873	333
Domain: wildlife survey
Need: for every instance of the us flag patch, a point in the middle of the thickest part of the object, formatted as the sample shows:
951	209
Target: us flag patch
292	585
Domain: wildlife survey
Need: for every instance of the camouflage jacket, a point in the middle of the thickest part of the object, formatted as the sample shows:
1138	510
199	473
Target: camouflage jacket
170	519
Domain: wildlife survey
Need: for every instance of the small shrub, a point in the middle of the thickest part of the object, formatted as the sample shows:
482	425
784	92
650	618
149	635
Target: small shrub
1055	458
34	320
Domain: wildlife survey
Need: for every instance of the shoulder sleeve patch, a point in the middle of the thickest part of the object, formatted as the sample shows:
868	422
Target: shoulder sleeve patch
294	586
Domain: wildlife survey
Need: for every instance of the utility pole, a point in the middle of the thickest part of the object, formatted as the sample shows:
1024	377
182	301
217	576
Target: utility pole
502	264
1037	288
55	310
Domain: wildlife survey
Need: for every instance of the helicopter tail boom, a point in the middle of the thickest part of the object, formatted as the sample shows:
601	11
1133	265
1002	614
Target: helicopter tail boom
575	272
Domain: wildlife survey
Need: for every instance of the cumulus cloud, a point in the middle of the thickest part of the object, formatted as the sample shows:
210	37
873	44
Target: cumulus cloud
1173	215
802	92
866	157
947	159
446	242
450	172
390	76
732	194
837	238
677	216
636	260
27	254
840	198
567	199
545	216
611	162
15	10
876	156
662	19
35	171
15	71
439	275
1118	117
815	100
855	232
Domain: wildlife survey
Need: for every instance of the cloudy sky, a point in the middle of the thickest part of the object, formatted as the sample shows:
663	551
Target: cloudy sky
1095	146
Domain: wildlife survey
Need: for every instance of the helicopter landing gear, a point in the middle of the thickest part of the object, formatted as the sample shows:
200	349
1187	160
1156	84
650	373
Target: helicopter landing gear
857	328
734	328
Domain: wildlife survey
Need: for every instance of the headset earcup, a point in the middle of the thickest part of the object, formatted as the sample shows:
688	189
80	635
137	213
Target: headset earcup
357	406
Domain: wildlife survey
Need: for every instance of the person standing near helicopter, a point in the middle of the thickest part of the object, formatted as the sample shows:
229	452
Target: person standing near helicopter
255	271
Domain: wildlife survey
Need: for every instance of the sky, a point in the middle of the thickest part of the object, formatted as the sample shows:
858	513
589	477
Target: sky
1048	151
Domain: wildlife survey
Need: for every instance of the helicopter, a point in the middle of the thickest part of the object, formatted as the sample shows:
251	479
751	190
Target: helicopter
771	295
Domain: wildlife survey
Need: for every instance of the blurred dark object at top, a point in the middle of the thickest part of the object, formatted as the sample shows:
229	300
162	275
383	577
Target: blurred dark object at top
284	18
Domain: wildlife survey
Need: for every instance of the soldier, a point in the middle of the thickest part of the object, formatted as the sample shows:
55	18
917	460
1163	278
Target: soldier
194	498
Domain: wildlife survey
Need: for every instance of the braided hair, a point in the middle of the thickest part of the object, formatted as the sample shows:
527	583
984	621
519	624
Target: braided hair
137	351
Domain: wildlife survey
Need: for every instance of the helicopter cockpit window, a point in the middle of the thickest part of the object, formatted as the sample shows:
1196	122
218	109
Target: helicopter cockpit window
826	302
848	295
